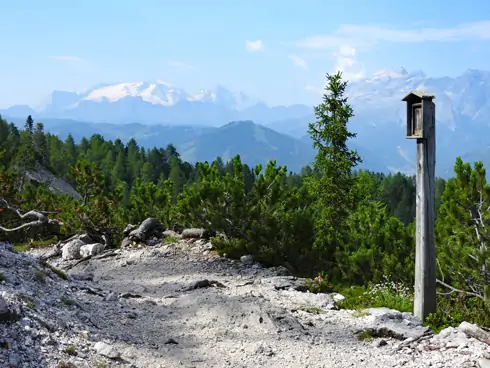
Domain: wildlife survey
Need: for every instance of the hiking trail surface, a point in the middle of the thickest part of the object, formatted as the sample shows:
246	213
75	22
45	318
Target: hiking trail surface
180	305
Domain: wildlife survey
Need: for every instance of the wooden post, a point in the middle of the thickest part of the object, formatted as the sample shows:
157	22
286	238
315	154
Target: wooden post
425	257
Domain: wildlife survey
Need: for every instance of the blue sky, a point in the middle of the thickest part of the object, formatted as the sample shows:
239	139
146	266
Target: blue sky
278	51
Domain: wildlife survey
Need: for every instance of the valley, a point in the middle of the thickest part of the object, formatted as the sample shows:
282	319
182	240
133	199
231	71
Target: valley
157	114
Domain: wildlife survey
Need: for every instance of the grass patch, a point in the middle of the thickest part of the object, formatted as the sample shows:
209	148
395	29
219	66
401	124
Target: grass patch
454	309
22	247
385	294
67	301
71	350
451	309
35	244
29	301
39	275
309	309
170	240
57	271
365	335
360	313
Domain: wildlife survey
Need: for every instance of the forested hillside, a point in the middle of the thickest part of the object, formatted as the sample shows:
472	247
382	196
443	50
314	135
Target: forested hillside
352	227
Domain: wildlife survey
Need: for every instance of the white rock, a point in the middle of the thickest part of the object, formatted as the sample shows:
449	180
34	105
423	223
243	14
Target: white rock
106	350
247	260
91	249
71	250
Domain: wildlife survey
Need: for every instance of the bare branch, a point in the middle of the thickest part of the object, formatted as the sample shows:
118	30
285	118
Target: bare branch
40	218
453	289
440	269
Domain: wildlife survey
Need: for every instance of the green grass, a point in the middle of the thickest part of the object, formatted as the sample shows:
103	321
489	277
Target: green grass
310	309
60	273
67	301
359	298
71	350
22	247
451	310
39	275
170	240
29	301
359	314
35	244
365	335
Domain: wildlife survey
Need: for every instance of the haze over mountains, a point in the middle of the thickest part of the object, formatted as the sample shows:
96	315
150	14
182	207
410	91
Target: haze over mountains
198	123
157	103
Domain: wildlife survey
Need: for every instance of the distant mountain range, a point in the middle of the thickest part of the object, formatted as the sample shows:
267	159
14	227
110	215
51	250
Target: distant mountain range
157	103
155	113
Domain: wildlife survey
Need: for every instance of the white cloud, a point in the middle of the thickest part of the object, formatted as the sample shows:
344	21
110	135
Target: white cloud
358	36
179	64
298	61
65	58
345	61
347	51
254	46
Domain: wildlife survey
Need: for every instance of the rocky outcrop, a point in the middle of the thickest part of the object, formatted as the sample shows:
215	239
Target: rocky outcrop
44	177
394	324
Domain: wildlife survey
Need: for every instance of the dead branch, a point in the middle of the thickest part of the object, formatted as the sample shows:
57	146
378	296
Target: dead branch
454	290
440	269
40	218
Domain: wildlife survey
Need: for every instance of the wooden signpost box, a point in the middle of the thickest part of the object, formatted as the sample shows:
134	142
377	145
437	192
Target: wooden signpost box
421	126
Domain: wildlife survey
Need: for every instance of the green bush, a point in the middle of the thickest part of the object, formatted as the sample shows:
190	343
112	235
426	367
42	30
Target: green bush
319	284
452	310
387	294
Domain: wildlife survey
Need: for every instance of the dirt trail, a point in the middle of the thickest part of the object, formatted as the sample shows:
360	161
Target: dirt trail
175	306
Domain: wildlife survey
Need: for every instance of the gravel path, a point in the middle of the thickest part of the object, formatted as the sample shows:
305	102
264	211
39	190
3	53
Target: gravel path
170	306
246	323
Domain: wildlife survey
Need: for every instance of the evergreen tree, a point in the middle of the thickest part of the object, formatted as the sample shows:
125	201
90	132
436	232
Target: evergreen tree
29	125
461	230
40	145
118	173
176	175
333	164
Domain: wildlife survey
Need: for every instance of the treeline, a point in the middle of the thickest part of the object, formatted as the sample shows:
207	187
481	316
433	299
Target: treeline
356	227
141	182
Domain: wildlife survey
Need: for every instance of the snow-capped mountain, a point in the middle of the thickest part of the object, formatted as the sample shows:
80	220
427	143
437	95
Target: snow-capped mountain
158	93
156	102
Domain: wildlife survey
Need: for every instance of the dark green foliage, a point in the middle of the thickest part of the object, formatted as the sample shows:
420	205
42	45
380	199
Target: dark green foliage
461	230
334	164
452	310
